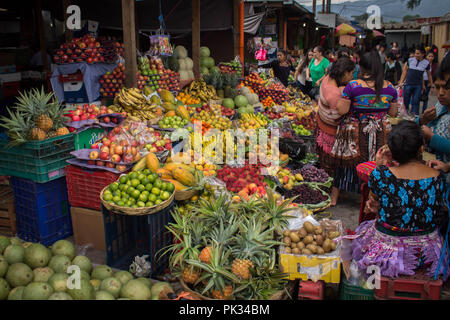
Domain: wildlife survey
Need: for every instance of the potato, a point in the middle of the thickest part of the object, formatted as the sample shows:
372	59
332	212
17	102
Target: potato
296	251
333	246
306	251
286	233
309	227
326	245
312	248
294	237
314	242
288	250
293	245
287	241
318	230
334	234
308	239
319	239
302	232
301	245
320	250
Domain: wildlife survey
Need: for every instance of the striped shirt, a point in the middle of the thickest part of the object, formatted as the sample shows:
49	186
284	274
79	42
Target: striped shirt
416	68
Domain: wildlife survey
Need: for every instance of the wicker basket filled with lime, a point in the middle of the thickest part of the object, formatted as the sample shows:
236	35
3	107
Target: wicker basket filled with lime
138	193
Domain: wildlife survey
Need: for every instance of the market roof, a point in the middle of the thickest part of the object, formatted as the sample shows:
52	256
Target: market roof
295	3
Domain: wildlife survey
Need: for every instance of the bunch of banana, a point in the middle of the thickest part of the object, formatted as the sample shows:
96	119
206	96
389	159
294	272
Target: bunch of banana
252	121
135	104
199	90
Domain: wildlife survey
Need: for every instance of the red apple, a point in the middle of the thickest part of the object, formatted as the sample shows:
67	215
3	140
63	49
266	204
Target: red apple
93	155
104	155
100	163
128	158
91	163
106	142
94	146
118	150
116	158
75	118
104	149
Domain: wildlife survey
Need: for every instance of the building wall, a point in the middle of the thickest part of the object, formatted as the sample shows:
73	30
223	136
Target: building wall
440	36
411	38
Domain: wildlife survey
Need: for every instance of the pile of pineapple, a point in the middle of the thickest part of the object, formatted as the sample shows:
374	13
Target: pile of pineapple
227	250
37	116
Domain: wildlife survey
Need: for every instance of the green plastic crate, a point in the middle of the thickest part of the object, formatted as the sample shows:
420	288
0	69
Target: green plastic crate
351	292
39	161
84	139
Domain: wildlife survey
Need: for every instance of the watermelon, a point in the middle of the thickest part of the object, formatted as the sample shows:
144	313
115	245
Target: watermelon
240	101
228	103
204	52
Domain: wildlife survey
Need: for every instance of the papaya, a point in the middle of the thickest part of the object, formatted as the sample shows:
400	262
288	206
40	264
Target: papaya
171	113
152	162
184	176
173	165
140	165
169	106
178	185
164	174
167	96
182	112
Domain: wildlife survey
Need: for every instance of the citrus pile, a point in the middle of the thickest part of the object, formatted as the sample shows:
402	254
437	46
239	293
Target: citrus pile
138	189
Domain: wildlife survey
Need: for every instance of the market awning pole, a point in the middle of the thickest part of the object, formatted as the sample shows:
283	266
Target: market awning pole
236	26
129	40
43	44
196	36
241	31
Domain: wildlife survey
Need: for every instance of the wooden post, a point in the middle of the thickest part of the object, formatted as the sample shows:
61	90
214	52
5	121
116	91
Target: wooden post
314	7
136	19
241	31
285	35
236	26
129	40
196	36
281	29
69	33
323	6
43	44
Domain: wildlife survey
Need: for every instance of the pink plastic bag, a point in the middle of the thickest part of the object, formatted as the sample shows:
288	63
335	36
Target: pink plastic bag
261	54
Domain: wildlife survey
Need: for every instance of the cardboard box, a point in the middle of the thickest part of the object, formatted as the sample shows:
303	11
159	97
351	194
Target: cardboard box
88	227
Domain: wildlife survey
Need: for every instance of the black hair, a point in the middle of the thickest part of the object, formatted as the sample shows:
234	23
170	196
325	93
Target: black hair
444	68
405	140
421	49
306	61
343	52
371	66
283	52
391	56
320	49
338	68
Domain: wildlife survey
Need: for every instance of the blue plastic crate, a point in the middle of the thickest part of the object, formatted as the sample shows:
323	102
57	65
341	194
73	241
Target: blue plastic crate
42	210
130	236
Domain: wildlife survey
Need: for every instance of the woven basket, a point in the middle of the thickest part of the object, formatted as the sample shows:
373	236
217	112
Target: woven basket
280	295
181	195
113	208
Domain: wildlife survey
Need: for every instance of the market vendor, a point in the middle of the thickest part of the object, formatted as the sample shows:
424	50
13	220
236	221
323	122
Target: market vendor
282	67
317	69
409	200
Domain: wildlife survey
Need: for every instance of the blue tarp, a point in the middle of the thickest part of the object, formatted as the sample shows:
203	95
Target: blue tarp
91	77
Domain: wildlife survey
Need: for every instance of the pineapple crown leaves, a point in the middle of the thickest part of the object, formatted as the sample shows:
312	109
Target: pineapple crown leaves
275	212
17	126
224	232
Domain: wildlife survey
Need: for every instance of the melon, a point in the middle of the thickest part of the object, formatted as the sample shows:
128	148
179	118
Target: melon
83	262
63	248
60	296
135	290
189	63
37	256
123	276
215	70
184	75
16	293
191	74
205	52
160	290
102	272
4	289
145	281
228	103
84	275
59	263
4	243
112	286
58	281
15	240
43	274
240	101
182	64
209	62
204	70
14	253
19	274
3	266
95	283
203	62
85	292
180	52
103	295
37	291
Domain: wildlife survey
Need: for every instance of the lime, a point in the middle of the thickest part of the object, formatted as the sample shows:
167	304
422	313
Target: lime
125	187
149	204
114	186
152	197
117	193
141	204
135	182
158	201
143	197
116	198
170	187
133	175
147	172
135	194
123	179
155	175
134	206
145	181
130	190
148	187
140	187
122	186
164	186
141	176
132	200
164	195
129	183
107	191
146	192
107	197
151	178
120	203
158	183
129	203
156	191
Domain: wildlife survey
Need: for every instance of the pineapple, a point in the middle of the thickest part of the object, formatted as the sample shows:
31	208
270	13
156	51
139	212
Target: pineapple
241	268
44	122
62	131
38	134
205	255
224	294
17	127
52	134
190	275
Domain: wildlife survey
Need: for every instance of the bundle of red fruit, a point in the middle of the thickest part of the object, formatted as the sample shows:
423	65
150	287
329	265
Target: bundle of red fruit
141	81
308	122
169	80
254	81
238	178
226	69
274	115
228	112
112	82
85	49
111	48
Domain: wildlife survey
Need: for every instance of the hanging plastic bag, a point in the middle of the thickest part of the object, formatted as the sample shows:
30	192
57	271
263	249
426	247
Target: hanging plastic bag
261	54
